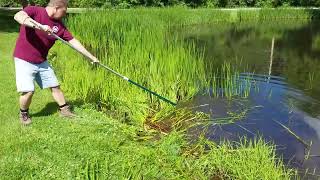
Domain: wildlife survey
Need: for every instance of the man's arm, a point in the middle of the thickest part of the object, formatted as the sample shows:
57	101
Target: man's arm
24	19
75	43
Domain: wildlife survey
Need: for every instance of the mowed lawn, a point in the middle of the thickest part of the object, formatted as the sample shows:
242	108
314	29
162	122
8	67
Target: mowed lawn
51	146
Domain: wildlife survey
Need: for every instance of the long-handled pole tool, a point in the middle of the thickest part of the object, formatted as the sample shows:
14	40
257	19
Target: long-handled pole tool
109	69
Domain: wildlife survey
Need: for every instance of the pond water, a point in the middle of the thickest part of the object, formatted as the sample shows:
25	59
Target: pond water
282	60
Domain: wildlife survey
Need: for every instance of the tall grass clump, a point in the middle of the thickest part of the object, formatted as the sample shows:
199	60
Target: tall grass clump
267	14
136	44
227	83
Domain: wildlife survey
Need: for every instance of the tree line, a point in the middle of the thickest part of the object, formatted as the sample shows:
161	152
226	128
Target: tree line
162	3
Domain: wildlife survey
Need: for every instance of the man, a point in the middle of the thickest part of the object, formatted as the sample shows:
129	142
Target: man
30	54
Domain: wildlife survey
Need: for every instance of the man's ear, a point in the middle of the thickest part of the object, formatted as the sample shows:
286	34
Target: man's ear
55	9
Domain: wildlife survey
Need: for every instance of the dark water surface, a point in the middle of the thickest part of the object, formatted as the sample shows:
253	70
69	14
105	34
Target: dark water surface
284	105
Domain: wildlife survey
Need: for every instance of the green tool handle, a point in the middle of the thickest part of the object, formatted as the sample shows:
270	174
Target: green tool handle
138	85
153	93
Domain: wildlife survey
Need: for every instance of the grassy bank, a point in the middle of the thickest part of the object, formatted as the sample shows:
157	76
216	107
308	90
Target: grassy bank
95	145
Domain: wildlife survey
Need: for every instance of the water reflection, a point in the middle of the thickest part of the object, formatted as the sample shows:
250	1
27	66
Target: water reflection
284	103
247	45
273	111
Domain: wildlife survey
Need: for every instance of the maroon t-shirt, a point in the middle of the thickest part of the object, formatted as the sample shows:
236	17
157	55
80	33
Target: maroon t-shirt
33	45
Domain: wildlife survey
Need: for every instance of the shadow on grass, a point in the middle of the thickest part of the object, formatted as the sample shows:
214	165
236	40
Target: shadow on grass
53	107
7	23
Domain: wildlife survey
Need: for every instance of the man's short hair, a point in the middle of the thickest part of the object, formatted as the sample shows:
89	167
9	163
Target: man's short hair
58	3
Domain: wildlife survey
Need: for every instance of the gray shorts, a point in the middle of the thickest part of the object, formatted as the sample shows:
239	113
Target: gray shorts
27	73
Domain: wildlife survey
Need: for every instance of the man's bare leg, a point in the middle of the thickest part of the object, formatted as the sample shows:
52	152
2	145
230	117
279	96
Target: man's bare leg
58	95
59	98
25	101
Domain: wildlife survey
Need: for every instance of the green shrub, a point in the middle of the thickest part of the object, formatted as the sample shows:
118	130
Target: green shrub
8	3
